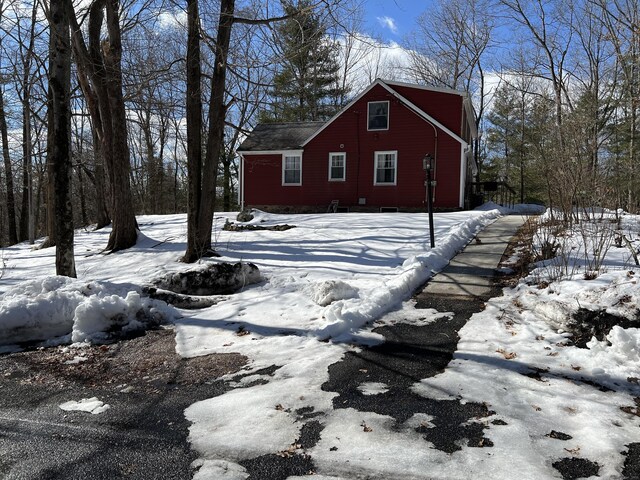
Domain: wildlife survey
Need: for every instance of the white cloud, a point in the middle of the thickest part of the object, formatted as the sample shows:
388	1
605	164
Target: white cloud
365	59
172	19
388	22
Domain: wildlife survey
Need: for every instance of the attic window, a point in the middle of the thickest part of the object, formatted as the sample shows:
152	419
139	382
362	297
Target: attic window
378	114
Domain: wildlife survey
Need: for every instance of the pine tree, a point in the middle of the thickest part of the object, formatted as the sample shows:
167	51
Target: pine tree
306	87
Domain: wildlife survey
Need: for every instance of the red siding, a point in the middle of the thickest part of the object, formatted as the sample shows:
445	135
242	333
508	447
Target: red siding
408	134
444	107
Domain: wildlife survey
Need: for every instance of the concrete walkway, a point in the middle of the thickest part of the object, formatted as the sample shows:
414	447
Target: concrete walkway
470	274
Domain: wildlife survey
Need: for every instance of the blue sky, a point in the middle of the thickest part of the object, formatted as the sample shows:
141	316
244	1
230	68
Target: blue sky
393	19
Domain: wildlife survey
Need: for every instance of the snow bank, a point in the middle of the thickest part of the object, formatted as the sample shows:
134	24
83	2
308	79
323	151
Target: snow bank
55	307
344	317
38	309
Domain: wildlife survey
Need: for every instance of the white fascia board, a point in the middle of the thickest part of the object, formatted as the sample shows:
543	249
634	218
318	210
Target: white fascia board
468	106
424	115
427	87
463	175
297	151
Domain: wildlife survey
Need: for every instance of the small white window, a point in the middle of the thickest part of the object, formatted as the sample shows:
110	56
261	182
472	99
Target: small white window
378	115
291	169
385	168
337	167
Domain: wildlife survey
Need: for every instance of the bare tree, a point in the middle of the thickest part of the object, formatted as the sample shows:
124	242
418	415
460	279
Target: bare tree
621	19
203	169
8	172
450	49
100	76
550	26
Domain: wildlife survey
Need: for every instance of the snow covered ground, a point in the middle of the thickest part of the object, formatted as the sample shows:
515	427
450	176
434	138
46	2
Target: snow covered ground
329	279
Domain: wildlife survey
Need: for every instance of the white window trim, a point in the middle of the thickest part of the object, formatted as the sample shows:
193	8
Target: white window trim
375	168
291	153
344	166
388	115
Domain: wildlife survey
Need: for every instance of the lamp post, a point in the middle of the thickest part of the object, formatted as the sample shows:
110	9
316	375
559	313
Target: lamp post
428	164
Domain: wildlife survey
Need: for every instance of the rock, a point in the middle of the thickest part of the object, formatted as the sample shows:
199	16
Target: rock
245	216
558	435
234	227
210	279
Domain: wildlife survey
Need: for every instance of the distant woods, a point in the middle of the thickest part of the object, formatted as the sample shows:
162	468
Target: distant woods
155	119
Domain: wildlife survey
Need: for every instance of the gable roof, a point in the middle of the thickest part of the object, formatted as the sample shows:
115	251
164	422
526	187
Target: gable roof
279	136
268	137
387	85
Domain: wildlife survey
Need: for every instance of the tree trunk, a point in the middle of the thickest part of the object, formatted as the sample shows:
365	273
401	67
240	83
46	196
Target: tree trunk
59	135
102	197
226	184
217	114
124	228
194	131
101	62
11	201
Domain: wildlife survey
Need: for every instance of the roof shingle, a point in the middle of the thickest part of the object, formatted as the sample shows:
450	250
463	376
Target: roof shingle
279	136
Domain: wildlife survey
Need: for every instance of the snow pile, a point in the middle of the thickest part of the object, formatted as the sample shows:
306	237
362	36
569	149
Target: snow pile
98	317
38	309
90	405
327	292
72	310
622	344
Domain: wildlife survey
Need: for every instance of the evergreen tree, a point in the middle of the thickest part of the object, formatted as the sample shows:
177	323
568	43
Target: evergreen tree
517	143
307	86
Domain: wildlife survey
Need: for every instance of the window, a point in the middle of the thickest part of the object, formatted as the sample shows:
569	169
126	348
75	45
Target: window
378	113
337	167
291	169
385	168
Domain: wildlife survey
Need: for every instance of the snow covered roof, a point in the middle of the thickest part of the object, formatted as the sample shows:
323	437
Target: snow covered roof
279	136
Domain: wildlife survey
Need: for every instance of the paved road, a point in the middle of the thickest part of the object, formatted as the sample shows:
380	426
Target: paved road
142	436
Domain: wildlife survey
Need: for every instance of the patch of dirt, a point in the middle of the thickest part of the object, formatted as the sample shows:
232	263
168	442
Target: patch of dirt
558	435
586	324
518	257
144	364
572	468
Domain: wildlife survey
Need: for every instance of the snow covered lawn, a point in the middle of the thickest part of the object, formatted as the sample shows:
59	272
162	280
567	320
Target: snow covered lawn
341	270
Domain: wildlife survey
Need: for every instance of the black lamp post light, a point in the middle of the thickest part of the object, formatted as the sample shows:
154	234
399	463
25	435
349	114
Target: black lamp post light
428	163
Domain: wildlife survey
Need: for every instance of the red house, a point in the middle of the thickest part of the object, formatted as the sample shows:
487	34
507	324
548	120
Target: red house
367	157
